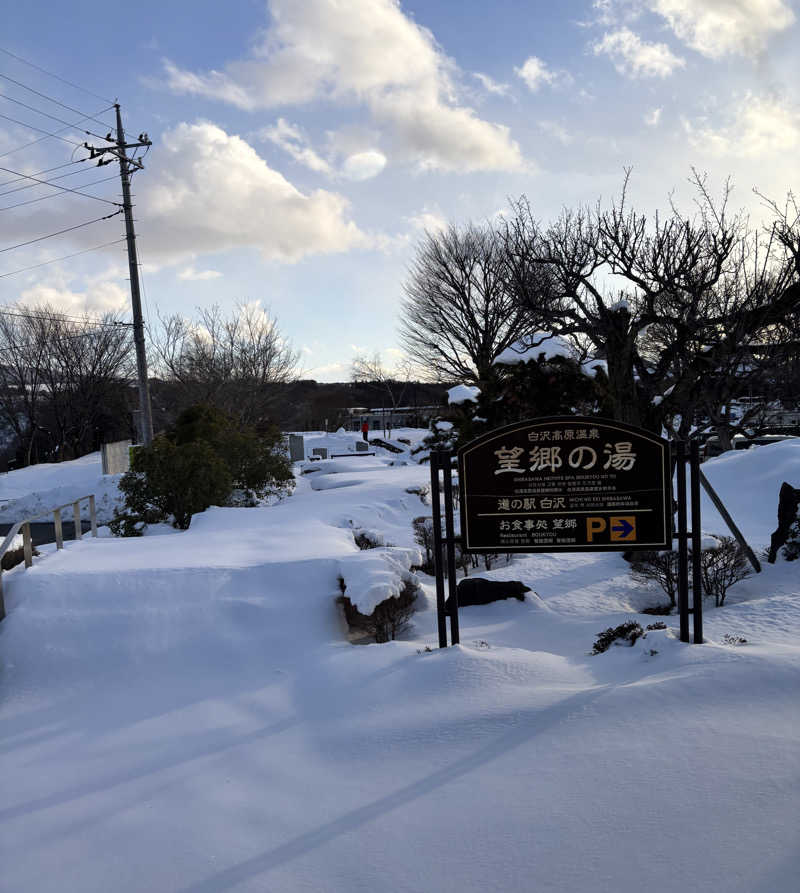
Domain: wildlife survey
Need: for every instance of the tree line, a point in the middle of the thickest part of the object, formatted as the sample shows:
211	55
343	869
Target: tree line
674	316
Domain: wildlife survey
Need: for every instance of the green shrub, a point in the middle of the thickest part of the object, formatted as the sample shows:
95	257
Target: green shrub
255	458
170	482
205	459
625	633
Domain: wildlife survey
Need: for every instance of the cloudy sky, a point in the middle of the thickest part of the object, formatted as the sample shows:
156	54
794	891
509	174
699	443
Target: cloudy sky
301	147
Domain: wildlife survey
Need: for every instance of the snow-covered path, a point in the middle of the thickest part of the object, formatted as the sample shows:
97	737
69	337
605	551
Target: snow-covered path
183	713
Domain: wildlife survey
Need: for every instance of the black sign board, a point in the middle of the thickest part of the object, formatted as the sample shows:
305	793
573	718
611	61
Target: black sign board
565	484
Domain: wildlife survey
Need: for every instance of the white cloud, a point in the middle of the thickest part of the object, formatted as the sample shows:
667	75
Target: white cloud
718	27
490	85
292	140
759	127
428	221
212	192
535	73
363	165
635	57
101	293
191	275
653	117
557	131
446	137
367	52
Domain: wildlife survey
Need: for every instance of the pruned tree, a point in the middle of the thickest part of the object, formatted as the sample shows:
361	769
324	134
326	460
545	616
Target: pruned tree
458	315
231	362
673	304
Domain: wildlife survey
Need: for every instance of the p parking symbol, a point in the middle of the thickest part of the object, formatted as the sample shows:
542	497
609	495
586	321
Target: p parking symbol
594	526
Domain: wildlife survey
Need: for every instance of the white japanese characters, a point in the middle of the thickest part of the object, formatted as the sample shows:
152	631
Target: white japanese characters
619	456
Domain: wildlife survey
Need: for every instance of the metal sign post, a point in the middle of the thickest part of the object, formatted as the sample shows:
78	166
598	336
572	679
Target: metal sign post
685	536
444	547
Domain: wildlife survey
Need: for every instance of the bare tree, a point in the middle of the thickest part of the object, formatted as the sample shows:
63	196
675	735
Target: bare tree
391	384
458	315
23	356
673	304
231	362
63	381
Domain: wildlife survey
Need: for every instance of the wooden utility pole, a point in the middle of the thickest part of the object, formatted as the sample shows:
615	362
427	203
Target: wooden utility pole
125	163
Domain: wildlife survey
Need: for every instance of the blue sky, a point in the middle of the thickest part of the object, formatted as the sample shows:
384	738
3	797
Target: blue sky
301	147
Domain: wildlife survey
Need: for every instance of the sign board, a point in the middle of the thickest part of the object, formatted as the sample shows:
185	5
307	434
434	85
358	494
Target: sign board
565	484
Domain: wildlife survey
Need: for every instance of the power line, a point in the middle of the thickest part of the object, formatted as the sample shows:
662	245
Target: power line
67	188
36	182
48	135
43	198
50	74
63	105
63	317
37	173
65	257
32	108
60	232
39	130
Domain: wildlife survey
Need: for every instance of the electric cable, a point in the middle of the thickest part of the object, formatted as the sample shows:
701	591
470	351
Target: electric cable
62	317
47	136
60	232
39	130
67	188
38	173
38	182
50	74
63	105
42	198
65	257
48	115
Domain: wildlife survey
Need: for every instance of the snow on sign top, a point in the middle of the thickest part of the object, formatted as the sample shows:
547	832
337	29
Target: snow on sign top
565	484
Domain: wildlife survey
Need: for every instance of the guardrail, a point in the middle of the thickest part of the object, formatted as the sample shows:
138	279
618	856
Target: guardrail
27	542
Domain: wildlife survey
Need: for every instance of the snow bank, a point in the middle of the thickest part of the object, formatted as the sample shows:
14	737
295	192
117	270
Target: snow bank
748	482
39	488
184	713
374	575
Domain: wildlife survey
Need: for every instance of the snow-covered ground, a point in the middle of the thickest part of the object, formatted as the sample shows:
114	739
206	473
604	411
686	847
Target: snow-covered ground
39	488
185	713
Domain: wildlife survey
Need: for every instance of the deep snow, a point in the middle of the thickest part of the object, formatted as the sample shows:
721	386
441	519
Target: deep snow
184	713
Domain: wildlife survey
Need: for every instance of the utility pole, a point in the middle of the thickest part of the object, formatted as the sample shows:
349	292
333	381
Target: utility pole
125	163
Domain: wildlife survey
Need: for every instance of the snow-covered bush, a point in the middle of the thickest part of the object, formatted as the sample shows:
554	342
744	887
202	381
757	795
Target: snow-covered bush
660	568
388	619
721	567
368	539
423	536
624	634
